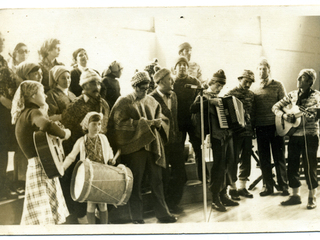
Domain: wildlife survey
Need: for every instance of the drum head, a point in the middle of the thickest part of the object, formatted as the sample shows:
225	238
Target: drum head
79	181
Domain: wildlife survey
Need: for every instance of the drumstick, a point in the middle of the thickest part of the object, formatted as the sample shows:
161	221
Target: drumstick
117	155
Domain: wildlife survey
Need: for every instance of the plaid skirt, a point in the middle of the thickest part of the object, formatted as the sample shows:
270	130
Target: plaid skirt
44	202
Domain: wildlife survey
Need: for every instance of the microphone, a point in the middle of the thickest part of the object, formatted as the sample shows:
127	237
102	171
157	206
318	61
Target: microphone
191	86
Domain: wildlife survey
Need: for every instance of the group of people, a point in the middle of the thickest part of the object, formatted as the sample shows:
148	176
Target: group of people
149	127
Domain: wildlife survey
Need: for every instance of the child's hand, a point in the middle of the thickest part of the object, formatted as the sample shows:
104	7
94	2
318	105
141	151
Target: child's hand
157	122
112	161
68	134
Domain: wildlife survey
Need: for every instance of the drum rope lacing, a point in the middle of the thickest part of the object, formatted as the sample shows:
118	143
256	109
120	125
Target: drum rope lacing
127	178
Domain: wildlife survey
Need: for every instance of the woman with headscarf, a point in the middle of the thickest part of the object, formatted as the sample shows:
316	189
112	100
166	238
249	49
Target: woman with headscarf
29	71
48	53
19	55
59	96
110	80
44	202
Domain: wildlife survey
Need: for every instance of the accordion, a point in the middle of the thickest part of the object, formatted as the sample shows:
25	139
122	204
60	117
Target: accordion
231	113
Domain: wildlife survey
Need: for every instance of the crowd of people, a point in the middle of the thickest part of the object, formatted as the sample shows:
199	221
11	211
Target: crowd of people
149	127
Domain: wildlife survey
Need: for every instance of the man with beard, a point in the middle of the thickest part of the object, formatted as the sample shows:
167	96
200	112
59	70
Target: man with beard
71	118
175	179
186	97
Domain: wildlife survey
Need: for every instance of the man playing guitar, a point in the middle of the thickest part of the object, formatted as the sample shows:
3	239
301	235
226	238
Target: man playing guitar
305	138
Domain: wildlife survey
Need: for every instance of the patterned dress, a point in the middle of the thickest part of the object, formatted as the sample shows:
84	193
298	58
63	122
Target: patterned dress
44	202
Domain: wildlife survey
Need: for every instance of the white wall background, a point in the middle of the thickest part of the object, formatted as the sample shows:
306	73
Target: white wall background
231	38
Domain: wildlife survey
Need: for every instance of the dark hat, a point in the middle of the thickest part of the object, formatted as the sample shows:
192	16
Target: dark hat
247	74
219	76
181	59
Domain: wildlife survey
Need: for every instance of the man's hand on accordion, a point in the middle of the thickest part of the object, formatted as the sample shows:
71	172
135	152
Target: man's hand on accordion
214	101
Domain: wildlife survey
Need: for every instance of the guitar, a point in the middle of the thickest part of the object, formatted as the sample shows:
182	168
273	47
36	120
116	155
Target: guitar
50	151
285	128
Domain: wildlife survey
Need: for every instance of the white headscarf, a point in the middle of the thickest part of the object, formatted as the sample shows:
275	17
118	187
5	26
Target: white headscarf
85	122
24	92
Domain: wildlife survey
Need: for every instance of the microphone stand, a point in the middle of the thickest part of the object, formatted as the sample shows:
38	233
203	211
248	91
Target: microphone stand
204	177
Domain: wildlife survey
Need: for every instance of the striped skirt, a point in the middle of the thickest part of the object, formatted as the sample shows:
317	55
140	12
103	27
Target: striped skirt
44	202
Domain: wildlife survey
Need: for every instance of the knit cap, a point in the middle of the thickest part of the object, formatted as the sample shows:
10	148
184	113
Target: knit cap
140	77
181	59
247	74
219	76
310	72
152	67
87	76
86	120
162	73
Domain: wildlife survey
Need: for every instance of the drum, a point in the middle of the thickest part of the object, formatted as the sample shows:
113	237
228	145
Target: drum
97	182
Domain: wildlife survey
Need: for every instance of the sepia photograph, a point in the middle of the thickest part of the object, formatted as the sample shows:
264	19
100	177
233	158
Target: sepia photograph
159	119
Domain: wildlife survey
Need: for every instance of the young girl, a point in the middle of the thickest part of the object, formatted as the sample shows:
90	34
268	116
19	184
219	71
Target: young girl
94	146
44	202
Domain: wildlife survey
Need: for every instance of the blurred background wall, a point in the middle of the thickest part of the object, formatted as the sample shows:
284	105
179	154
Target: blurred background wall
228	38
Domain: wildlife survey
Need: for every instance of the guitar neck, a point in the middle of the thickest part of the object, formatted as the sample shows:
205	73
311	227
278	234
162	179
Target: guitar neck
304	111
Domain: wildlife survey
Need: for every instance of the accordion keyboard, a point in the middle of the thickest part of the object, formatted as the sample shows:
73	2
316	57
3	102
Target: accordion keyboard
221	115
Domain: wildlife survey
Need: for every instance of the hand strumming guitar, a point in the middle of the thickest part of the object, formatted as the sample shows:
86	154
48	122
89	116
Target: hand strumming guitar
291	118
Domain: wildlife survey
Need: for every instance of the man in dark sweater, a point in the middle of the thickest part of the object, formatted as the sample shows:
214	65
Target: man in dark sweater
186	97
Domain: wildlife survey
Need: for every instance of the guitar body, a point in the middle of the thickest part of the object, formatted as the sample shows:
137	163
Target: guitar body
50	152
285	128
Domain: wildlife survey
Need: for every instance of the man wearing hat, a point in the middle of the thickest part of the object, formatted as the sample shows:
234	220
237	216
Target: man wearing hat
175	179
139	129
305	139
90	100
185	50
266	93
186	97
221	142
242	140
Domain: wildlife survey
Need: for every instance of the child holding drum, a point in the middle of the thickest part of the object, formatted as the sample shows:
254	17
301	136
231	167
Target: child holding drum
92	146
